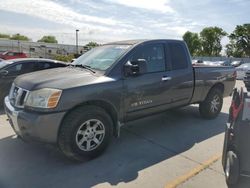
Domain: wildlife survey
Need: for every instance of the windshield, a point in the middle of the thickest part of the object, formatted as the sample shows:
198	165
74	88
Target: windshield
101	58
3	64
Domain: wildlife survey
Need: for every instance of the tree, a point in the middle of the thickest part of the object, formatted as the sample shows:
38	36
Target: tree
6	36
48	39
239	45
19	37
211	40
193	42
65	58
91	45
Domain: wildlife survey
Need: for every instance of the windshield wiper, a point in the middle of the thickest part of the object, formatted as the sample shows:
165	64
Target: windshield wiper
84	66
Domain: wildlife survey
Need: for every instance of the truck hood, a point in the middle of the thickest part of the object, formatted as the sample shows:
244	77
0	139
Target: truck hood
59	78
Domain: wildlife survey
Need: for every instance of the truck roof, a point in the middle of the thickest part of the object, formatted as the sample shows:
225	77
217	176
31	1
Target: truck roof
138	41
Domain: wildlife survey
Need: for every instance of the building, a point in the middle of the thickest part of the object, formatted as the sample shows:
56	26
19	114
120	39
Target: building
39	49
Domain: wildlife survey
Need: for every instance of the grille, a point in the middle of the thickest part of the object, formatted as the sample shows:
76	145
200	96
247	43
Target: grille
18	96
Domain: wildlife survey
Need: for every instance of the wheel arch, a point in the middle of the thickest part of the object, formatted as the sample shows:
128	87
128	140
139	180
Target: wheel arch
109	108
220	86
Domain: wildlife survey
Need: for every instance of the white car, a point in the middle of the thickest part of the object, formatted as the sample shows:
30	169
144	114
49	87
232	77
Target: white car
241	70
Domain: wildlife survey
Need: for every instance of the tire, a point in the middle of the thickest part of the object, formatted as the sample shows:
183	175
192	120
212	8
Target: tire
85	133
211	106
232	169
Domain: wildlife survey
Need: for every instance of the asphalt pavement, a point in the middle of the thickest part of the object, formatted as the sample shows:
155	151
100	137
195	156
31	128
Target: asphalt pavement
150	153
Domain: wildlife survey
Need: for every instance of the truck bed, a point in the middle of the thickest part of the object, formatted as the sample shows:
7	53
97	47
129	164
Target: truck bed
207	76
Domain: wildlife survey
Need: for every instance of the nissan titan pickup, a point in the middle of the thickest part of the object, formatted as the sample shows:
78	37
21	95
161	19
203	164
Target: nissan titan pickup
80	107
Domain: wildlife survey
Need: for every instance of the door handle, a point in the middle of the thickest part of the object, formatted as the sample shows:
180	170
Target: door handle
166	78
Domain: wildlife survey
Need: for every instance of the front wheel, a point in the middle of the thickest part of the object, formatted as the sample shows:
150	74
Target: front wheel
211	106
85	133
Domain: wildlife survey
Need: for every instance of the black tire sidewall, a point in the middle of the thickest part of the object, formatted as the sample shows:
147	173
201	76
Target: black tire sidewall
68	141
205	106
234	173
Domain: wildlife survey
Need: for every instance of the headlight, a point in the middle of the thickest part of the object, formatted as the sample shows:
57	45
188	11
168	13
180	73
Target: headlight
43	98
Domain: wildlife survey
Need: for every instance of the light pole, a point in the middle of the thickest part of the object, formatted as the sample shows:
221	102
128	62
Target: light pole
18	42
77	30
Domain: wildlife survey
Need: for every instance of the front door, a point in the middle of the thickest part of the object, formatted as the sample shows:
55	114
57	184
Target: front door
148	93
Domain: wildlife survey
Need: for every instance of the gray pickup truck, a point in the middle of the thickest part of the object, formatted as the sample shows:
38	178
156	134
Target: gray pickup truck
81	106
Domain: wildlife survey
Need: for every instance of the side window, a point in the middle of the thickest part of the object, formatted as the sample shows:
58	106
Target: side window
10	53
14	70
179	59
154	56
43	65
46	65
27	67
21	68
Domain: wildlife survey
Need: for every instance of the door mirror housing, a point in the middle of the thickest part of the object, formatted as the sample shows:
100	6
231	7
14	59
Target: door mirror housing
4	73
134	68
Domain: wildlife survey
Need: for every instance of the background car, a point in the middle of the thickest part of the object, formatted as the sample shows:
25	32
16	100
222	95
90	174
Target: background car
220	63
12	55
10	69
212	63
241	70
237	63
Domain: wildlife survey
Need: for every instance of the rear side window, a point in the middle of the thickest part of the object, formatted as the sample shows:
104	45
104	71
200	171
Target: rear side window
179	59
43	65
154	56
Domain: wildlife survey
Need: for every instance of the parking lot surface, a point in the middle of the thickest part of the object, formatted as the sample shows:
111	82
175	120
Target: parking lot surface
155	151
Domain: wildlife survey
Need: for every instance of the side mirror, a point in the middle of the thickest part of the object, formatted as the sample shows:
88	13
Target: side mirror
134	68
4	73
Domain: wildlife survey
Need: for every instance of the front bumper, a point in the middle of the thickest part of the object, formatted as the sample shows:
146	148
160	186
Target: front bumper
34	126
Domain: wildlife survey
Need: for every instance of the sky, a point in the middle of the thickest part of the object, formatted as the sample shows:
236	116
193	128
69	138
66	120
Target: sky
112	20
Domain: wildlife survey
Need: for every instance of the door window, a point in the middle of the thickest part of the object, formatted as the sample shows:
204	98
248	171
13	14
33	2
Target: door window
154	56
10	54
43	65
179	59
14	70
20	69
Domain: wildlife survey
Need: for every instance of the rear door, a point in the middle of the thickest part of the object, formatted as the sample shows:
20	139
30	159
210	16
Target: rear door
150	92
182	76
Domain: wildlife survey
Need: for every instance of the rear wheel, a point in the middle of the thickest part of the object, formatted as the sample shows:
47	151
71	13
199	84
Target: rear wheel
85	133
211	106
232	168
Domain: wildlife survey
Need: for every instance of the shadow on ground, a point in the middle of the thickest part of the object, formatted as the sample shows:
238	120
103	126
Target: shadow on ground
143	143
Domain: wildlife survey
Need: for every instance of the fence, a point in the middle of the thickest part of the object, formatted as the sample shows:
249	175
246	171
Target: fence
38	49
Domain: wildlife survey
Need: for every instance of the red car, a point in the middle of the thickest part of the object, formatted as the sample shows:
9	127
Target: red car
12	55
